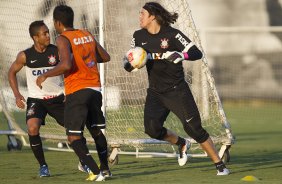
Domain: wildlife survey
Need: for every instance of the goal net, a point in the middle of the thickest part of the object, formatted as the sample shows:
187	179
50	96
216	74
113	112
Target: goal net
124	93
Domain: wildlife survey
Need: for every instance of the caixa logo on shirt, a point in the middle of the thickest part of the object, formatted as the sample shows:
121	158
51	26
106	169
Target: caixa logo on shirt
82	40
156	56
39	72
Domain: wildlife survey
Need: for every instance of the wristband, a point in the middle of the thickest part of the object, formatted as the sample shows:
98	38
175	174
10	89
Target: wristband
185	54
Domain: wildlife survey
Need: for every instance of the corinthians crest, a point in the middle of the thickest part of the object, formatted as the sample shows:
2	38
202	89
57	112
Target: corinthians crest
52	60
164	43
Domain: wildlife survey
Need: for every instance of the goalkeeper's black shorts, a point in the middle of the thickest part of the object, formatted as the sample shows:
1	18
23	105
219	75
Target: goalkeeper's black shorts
178	100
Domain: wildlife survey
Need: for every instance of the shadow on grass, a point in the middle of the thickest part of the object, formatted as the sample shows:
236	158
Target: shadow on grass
254	162
145	167
257	135
239	163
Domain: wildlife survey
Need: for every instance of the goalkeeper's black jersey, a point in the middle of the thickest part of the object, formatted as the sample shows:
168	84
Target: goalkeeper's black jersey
163	75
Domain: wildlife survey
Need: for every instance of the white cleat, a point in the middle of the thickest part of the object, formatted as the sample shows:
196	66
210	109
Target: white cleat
224	172
107	173
100	177
182	158
93	177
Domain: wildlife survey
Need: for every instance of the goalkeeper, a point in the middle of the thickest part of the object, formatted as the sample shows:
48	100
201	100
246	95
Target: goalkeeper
168	91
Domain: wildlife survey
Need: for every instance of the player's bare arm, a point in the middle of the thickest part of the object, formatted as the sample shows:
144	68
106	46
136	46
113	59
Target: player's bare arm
102	54
65	61
17	65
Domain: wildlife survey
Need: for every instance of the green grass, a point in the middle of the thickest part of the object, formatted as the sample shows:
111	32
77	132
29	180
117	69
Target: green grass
257	152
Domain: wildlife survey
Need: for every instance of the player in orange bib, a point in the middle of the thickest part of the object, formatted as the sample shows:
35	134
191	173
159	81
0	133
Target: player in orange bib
80	53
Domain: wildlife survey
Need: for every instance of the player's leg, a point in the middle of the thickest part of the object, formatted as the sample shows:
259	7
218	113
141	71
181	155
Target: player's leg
155	114
76	110
81	165
102	150
210	149
55	108
35	116
186	110
95	125
166	100
194	129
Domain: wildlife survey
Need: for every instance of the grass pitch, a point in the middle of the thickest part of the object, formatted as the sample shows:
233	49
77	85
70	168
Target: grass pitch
257	152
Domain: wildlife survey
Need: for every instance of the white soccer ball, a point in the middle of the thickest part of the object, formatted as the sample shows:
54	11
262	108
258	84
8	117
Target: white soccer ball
60	145
137	57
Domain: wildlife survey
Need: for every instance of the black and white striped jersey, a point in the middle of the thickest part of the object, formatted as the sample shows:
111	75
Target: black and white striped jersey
38	63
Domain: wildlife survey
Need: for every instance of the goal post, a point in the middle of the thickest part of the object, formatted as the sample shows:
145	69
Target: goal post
113	23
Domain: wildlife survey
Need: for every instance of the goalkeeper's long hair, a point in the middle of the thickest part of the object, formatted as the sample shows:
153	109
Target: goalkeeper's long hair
163	16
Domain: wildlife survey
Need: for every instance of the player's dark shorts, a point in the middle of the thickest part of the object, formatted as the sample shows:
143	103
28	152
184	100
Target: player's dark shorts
39	108
82	108
178	100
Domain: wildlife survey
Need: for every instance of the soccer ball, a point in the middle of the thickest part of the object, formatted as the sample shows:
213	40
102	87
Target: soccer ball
62	145
137	57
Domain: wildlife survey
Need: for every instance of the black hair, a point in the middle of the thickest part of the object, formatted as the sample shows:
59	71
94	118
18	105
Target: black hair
64	14
34	27
163	16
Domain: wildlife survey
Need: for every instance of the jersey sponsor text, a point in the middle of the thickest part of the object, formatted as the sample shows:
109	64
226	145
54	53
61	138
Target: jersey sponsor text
82	40
156	56
182	40
39	71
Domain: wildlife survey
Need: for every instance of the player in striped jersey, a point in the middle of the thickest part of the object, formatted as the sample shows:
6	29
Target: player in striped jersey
39	58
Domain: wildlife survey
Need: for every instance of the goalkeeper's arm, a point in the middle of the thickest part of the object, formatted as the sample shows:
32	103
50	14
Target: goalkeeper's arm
192	54
127	66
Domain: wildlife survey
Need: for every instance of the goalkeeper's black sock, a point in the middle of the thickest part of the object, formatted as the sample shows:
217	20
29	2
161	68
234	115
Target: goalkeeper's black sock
83	154
180	142
36	147
102	149
220	166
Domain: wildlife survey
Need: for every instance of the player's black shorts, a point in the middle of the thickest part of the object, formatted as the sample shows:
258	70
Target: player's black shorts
38	108
178	100
82	108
